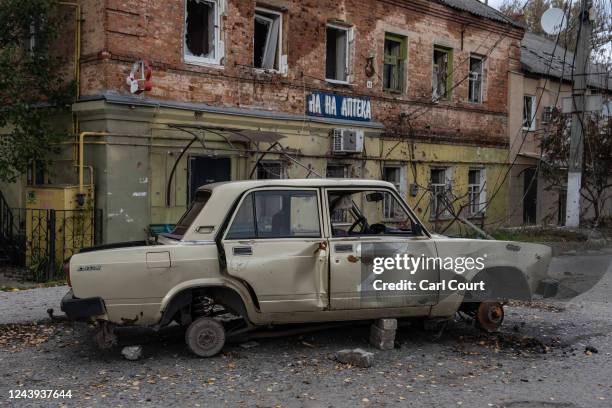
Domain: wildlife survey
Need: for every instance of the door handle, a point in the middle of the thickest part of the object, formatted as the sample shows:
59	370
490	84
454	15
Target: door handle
242	250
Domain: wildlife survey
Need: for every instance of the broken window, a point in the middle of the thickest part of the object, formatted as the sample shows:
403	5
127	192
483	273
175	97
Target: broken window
476	186
337	54
442	80
395	61
529	112
201	31
438	185
267	39
475	80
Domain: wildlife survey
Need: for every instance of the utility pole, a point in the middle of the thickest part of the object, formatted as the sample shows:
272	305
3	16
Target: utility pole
574	174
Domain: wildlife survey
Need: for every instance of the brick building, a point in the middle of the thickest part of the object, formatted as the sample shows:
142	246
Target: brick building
414	92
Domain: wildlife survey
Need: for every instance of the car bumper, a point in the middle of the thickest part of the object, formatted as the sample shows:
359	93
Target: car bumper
548	288
78	309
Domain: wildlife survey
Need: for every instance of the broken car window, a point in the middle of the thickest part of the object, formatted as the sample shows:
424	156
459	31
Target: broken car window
190	215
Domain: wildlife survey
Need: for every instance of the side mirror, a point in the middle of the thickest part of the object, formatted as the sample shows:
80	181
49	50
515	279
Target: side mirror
417	229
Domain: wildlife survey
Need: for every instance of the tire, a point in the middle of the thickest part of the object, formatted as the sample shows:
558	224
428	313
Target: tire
205	337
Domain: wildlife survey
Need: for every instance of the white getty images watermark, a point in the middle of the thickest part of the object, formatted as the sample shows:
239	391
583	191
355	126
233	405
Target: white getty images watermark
412	265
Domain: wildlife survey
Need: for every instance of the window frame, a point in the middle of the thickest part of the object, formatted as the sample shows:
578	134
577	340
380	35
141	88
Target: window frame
532	117
279	45
347	59
410	214
401	63
401	175
481	80
445	213
217	43
248	193
280	163
482	185
449	68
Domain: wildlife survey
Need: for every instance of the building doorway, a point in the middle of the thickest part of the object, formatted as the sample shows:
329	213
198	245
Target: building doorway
530	196
205	170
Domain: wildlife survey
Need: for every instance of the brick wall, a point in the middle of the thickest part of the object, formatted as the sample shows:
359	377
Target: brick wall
118	32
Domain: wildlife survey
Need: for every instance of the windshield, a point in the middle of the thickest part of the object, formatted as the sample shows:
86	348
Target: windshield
190	215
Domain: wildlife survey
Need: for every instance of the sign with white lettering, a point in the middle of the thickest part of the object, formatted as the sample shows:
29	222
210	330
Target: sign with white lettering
338	106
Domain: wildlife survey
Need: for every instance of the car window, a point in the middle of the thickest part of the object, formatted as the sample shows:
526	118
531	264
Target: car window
277	214
371	212
190	215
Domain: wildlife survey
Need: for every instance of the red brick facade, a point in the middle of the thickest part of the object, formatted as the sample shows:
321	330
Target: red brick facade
115	33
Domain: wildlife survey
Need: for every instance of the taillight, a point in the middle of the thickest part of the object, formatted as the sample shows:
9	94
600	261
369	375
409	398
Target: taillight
66	268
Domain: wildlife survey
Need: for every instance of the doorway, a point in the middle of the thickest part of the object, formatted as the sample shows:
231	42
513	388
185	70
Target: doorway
530	196
205	170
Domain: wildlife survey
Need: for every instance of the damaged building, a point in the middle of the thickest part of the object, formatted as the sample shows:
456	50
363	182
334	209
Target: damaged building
187	92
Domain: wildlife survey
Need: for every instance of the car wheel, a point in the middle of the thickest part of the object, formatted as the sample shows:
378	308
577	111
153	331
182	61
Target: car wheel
490	316
205	337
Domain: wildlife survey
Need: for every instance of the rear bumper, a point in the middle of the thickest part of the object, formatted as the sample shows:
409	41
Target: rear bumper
78	309
547	288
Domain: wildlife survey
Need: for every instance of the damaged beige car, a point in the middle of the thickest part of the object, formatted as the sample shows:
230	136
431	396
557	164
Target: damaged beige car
275	252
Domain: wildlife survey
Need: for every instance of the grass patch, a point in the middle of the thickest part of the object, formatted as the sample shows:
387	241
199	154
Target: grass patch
539	235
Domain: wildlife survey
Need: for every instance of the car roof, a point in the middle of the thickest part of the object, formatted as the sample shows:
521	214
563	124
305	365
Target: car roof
308	183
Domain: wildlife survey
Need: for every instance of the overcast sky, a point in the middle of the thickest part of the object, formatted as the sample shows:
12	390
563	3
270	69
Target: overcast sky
495	3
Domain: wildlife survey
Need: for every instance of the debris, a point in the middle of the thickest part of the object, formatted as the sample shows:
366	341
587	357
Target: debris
308	344
132	352
356	357
382	334
249	344
588	350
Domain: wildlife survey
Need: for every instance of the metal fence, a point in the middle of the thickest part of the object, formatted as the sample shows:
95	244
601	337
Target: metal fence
48	237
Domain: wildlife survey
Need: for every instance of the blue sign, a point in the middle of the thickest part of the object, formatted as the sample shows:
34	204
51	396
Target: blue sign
338	106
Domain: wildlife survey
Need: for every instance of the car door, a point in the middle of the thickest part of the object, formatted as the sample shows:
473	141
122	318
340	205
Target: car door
352	280
275	245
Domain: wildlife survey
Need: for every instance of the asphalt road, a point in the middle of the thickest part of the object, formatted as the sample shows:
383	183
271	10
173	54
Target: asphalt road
537	360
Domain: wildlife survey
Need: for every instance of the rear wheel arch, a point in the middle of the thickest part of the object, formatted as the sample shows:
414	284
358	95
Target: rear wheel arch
179	306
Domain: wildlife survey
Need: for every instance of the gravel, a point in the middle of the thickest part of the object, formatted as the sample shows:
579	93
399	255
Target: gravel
537	360
30	305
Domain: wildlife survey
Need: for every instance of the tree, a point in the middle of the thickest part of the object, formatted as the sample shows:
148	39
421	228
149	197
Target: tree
597	159
34	88
530	13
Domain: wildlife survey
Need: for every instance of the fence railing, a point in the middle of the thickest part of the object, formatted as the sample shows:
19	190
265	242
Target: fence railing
47	237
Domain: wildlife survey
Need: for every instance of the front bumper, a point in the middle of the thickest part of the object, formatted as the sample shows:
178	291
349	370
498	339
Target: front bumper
79	309
547	288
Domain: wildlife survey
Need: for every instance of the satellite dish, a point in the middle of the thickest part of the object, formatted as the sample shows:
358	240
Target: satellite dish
553	21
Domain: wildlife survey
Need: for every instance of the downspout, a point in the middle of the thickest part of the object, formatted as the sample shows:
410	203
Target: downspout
77	63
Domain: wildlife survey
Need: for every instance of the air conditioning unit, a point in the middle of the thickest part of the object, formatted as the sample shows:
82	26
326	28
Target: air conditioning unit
347	141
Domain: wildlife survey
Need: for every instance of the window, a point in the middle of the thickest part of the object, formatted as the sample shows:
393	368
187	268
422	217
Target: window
442	73
337	54
196	206
475	82
438	185
267	170
366	213
277	214
476	191
202	31
392	174
395	61
267	39
336	171
529	112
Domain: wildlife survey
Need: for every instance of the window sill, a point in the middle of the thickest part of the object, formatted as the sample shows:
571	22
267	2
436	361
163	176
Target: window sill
201	62
337	82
